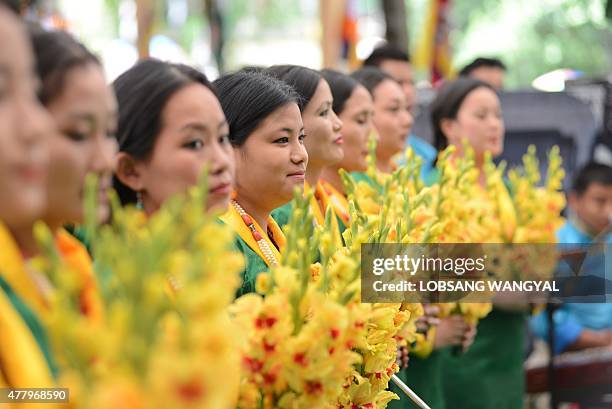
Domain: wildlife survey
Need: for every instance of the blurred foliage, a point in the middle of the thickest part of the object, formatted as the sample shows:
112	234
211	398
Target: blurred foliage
192	29
112	6
548	34
268	14
531	37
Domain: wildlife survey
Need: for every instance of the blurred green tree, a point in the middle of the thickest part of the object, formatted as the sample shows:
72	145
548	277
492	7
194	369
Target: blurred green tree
531	37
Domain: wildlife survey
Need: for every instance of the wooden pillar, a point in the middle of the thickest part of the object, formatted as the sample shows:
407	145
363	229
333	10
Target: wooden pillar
396	23
145	17
332	14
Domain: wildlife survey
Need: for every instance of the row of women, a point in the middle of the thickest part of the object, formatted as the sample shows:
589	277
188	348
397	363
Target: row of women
260	133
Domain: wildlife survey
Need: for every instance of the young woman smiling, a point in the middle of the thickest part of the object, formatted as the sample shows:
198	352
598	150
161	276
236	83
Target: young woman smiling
76	94
267	134
323	143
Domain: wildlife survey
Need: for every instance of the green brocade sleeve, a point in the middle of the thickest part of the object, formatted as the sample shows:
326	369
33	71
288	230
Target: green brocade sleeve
282	215
363	177
254	265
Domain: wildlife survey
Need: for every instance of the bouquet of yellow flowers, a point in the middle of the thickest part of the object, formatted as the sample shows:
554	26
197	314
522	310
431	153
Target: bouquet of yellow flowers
537	216
471	312
538	208
400	208
388	325
455	209
471	213
165	340
299	340
310	342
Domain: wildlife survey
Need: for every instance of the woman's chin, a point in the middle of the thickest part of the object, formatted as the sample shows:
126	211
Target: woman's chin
338	153
286	195
496	151
362	167
293	183
218	206
24	212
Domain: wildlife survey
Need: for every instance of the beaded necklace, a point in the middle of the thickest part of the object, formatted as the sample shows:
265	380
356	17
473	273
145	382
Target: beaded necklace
261	241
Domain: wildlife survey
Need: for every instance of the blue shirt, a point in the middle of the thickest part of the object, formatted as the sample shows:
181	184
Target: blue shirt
572	318
424	150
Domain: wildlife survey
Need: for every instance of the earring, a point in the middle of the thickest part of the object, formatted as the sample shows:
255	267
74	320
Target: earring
139	205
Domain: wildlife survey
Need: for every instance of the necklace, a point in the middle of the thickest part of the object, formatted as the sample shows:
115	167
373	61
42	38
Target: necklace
263	244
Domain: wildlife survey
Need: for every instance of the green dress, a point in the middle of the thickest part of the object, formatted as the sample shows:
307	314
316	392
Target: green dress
490	374
282	214
363	177
254	266
424	377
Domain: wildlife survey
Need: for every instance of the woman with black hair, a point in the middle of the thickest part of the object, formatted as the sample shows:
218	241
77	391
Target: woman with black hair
171	126
83	106
25	128
74	90
323	143
353	105
392	118
267	134
468	109
490	373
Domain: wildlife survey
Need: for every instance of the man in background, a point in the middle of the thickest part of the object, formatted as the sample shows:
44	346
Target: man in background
490	70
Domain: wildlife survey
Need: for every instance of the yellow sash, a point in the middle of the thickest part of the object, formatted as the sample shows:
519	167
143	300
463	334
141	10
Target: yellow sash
22	363
233	219
13	271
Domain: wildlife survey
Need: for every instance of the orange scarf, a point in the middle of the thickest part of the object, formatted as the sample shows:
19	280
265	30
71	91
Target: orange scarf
76	256
330	196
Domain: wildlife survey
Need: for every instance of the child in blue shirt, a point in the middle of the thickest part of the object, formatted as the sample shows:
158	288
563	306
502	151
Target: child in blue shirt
581	325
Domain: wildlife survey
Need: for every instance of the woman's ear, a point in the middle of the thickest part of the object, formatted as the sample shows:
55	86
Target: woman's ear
449	128
128	172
